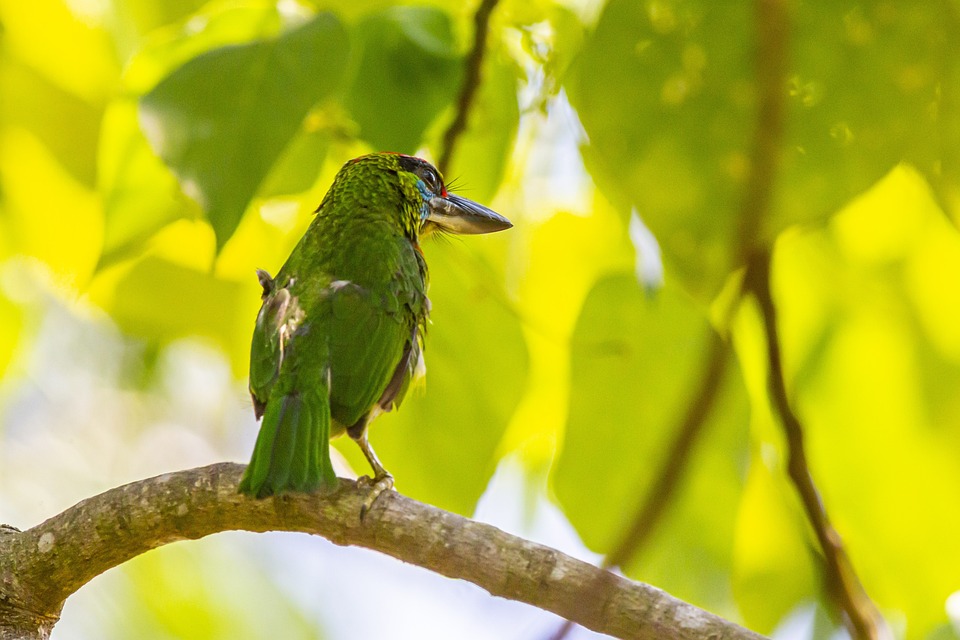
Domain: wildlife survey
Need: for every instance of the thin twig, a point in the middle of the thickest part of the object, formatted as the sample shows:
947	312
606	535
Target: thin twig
862	618
471	82
860	614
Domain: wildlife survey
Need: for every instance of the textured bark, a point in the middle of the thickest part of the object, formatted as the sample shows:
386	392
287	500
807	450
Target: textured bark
41	567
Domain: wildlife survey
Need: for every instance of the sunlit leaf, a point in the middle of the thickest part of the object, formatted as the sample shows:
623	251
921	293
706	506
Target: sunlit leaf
63	45
204	589
67	125
218	25
564	256
441	443
133	19
11	319
636	364
50	215
775	563
221	120
408	71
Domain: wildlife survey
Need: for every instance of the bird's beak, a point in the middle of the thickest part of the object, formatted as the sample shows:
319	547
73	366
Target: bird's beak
459	215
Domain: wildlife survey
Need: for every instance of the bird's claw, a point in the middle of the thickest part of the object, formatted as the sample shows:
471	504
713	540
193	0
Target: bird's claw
377	486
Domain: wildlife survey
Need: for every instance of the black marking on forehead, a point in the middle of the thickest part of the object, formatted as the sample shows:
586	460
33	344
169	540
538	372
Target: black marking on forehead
414	165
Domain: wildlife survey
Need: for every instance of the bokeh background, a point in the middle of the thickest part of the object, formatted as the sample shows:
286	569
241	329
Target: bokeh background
153	153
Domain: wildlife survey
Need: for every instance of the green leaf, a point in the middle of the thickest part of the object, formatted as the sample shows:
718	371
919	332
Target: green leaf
408	71
298	167
871	347
670	122
221	120
665	94
865	92
636	364
441	443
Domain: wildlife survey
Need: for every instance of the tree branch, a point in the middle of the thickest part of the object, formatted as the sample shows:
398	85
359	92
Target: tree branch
41	567
471	81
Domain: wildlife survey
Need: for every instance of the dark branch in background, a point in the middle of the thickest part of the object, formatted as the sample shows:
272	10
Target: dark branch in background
41	567
772	23
471	82
861	616
651	509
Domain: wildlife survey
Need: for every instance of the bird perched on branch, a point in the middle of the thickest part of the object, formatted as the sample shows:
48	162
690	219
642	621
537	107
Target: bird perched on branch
340	331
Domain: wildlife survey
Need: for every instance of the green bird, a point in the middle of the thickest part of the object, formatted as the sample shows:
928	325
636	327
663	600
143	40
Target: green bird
340	332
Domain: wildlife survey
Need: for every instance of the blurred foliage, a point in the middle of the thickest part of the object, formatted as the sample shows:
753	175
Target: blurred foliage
154	153
206	118
622	346
869	85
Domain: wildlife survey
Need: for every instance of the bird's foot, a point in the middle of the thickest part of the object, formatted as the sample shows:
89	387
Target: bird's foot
377	485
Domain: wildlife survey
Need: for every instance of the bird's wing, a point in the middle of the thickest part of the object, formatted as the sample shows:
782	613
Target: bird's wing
411	366
368	333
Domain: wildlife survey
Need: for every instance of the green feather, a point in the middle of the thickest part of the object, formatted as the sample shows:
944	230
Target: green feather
291	453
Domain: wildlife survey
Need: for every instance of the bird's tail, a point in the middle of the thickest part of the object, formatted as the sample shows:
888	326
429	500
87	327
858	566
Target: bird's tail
293	448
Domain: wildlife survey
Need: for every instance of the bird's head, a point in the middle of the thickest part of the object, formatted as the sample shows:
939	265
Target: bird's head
429	206
444	211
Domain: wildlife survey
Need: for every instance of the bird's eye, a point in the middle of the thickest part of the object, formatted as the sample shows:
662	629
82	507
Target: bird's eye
432	180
